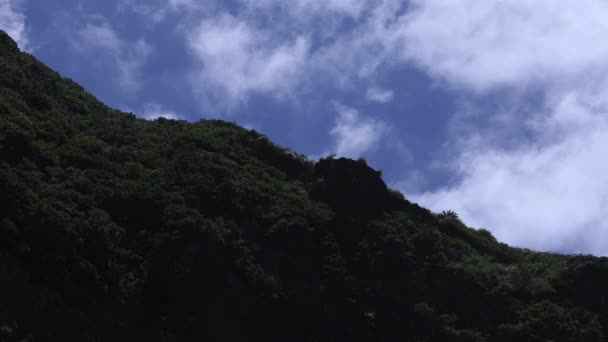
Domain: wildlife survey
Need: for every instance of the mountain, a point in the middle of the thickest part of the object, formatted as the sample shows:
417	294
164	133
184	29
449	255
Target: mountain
114	228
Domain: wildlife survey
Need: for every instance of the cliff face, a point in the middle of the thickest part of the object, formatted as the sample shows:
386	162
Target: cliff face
114	228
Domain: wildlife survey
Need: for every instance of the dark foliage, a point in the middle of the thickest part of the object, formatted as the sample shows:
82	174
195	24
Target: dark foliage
114	228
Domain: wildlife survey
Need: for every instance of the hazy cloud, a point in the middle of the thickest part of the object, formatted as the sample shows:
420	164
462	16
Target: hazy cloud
380	95
352	8
158	10
355	135
127	57
101	36
154	12
12	21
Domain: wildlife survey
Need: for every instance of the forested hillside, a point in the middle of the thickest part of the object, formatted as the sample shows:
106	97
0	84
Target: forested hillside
114	228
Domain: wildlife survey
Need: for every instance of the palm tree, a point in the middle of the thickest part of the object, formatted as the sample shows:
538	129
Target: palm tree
449	214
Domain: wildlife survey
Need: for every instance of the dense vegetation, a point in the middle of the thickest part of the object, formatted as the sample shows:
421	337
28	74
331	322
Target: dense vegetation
114	228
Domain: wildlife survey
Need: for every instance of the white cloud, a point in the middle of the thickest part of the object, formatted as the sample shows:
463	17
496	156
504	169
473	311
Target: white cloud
523	43
127	57
541	196
240	59
550	190
493	43
153	111
355	135
283	49
12	21
380	95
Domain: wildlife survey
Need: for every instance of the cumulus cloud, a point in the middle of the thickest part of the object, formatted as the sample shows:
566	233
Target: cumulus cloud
495	43
127	57
12	21
283	49
549	191
239	59
380	95
541	197
355	135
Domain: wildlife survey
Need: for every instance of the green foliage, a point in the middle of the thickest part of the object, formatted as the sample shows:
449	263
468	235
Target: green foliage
448	215
114	228
546	321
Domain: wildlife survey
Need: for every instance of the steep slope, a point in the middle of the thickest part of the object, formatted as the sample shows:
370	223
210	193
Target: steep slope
114	228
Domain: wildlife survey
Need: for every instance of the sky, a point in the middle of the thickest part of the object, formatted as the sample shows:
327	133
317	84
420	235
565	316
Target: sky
494	109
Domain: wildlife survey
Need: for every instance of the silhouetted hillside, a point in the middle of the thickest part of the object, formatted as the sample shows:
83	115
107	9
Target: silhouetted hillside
114	228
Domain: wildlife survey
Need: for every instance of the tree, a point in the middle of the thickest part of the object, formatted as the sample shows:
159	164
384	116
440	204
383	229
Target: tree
448	215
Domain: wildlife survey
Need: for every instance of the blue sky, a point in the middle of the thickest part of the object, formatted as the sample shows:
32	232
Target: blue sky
493	109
